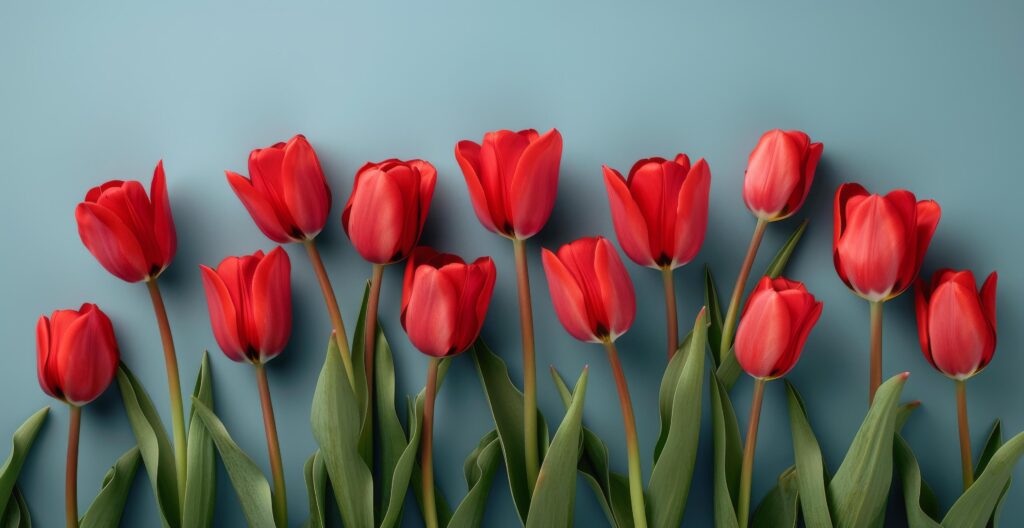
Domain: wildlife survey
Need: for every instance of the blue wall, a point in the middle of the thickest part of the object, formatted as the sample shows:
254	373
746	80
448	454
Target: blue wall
925	96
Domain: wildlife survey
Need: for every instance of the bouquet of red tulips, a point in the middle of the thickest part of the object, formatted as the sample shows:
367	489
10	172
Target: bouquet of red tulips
372	458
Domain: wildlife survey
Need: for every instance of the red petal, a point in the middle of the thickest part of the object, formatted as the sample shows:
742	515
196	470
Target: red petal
304	188
163	221
764	333
223	316
467	154
272	303
375	213
430	318
921	310
927	219
774	173
616	288
567	298
691	214
535	184
628	220
113	244
86	357
260	209
988	298
43	357
499	155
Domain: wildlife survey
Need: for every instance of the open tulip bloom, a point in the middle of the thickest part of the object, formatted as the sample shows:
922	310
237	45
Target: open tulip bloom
957	327
779	174
513	179
660	212
878	245
76	359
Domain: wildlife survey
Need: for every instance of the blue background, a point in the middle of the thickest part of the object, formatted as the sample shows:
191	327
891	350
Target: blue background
924	96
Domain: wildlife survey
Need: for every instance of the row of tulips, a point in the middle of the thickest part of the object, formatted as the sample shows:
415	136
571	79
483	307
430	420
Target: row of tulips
660	213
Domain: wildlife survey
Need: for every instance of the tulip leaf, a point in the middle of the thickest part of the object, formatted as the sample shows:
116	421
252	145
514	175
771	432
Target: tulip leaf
480	467
360	389
728	455
506	402
992	444
154	445
336	421
16	514
672	474
667	392
594	466
107	507
811	475
201	475
921	505
778	264
714	315
21	442
444	512
396	453
975	507
554	496
860	488
780	507
315	474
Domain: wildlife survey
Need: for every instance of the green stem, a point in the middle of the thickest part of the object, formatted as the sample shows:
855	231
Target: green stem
340	336
636	484
427	447
273	448
529	364
671	319
965	434
369	344
876	348
727	359
173	387
747	470
71	471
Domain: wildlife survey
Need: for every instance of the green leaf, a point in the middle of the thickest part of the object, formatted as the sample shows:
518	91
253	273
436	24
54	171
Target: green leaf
444	512
975	507
154	445
670	480
315	473
21	442
554	496
780	507
728	455
667	392
992	444
16	514
107	507
360	389
778	264
506	403
860	488
714	314
201	475
336	420
396	456
918	499
810	466
480	467
250	484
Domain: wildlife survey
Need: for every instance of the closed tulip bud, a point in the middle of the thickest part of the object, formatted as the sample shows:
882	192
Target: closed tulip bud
774	326
879	241
286	192
445	300
76	354
779	173
661	210
250	302
385	214
130	234
590	289
957	323
512	179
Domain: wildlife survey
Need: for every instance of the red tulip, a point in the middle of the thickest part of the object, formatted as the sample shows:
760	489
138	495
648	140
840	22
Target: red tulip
250	301
591	290
130	235
512	179
776	321
956	322
879	241
779	173
661	210
286	193
389	203
445	300
76	354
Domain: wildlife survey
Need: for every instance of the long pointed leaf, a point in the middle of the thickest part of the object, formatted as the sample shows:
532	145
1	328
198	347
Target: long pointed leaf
714	314
780	508
107	507
480	467
728	453
315	474
360	388
975	507
21	442
992	444
201	477
395	456
810	466
16	514
918	499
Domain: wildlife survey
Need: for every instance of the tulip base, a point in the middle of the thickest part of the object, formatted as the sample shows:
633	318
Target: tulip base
967	466
747	469
71	471
636	484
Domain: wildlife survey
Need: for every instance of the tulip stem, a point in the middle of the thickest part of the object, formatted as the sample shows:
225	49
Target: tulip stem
671	319
965	433
273	447
747	470
529	364
173	387
876	348
728	367
636	484
340	336
71	471
427	447
369	343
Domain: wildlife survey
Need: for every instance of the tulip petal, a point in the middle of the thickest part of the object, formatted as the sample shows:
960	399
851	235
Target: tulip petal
535	184
796	201
691	214
800	334
988	298
656	194
223	316
763	336
163	221
467	154
627	219
499	155
304	188
772	175
110	240
616	288
86	357
928	213
567	298
921	310
485	266
260	209
44	357
272	303
428	179
960	336
373	216
432	303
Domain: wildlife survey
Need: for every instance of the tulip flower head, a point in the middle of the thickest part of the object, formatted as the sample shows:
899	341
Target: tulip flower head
385	214
512	179
774	326
590	289
956	322
879	242
445	300
250	302
286	192
130	234
661	210
779	174
76	354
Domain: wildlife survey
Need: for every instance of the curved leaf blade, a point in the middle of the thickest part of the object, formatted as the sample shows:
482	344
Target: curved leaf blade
315	474
975	507
21	443
780	508
728	453
778	264
16	514
201	475
480	467
107	507
810	465
919	501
